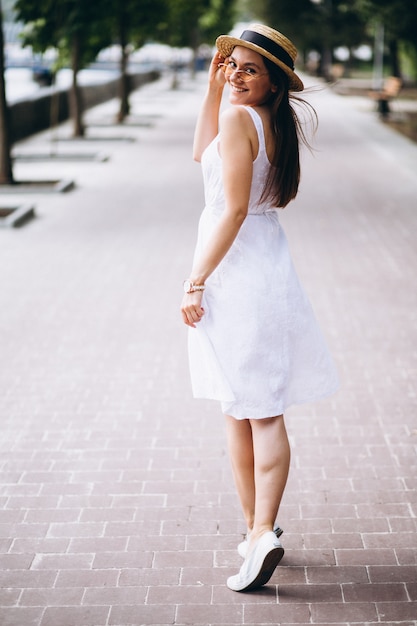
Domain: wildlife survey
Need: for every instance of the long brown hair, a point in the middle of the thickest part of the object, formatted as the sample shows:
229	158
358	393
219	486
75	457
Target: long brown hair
283	179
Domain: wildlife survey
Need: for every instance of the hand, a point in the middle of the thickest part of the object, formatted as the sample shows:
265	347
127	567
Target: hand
216	75
191	309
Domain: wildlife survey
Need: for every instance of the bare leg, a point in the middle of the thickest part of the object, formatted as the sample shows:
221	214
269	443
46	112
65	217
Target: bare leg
271	453
260	456
240	444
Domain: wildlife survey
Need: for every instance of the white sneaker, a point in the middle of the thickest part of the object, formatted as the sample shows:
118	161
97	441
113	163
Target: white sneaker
259	565
243	545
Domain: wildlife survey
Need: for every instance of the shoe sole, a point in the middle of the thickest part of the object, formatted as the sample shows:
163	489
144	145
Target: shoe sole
266	570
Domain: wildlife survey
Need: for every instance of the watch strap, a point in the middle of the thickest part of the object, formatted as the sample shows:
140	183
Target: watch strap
190	287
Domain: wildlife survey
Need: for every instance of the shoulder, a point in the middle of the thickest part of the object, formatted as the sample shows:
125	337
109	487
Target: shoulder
237	116
236	123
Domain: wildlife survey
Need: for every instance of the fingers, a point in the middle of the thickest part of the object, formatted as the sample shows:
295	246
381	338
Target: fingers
218	58
192	317
215	71
191	314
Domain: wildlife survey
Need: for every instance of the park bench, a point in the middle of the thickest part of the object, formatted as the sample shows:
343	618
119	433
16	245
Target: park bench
390	90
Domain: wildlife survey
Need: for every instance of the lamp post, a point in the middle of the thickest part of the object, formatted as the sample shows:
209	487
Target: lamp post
378	69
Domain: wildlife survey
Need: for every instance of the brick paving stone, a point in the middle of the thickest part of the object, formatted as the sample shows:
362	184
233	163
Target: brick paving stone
152	577
82	616
90	529
187	558
16	616
87	578
381	574
122	559
295	613
117	504
52	597
397	611
310	593
39	546
211	614
309	557
366	557
337	540
343	612
406	557
380	592
147	615
27	579
9	597
412	591
266	596
347	574
62	561
181	594
134	595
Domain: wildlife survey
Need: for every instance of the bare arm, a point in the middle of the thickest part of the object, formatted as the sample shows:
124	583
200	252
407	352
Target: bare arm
207	125
237	159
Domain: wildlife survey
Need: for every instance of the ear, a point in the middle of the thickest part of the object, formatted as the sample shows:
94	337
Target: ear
274	88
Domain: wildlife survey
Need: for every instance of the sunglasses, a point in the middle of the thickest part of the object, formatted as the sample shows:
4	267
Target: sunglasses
245	75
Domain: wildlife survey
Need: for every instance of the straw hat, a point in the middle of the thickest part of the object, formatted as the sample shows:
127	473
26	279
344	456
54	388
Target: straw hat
268	42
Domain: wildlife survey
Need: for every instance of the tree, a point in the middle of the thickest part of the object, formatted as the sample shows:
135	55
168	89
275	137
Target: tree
133	22
217	19
326	24
317	24
74	27
192	22
400	25
6	171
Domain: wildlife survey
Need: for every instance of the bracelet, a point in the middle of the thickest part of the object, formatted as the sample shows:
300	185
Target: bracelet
190	287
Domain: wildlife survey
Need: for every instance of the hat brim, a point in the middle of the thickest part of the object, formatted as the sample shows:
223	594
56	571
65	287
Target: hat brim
225	45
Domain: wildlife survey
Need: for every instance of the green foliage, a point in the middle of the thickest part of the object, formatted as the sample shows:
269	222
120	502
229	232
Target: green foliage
398	16
142	20
218	19
247	11
297	19
332	23
400	29
56	23
183	22
311	25
97	24
192	22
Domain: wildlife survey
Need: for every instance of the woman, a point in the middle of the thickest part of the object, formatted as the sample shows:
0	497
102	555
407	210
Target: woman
254	343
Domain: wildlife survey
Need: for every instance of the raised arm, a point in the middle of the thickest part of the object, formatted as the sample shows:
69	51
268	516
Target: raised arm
207	125
237	158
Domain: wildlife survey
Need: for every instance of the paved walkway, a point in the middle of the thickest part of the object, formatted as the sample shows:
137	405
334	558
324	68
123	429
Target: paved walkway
117	504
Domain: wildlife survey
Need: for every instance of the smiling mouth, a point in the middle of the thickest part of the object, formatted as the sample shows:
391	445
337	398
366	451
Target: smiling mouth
236	88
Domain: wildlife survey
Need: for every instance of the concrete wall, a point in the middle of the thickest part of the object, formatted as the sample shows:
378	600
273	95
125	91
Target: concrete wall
34	114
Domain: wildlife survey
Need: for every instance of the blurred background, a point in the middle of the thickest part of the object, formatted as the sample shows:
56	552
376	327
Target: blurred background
63	45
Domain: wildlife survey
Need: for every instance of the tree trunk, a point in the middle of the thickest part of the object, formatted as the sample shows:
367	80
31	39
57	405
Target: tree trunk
124	85
76	99
395	59
6	171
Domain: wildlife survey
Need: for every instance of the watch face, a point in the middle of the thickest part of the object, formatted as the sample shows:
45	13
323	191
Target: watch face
187	286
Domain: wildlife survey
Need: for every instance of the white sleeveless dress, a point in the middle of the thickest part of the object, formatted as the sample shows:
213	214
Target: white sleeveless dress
258	348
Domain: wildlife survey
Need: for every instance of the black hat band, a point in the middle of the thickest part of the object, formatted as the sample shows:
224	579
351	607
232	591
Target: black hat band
268	45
